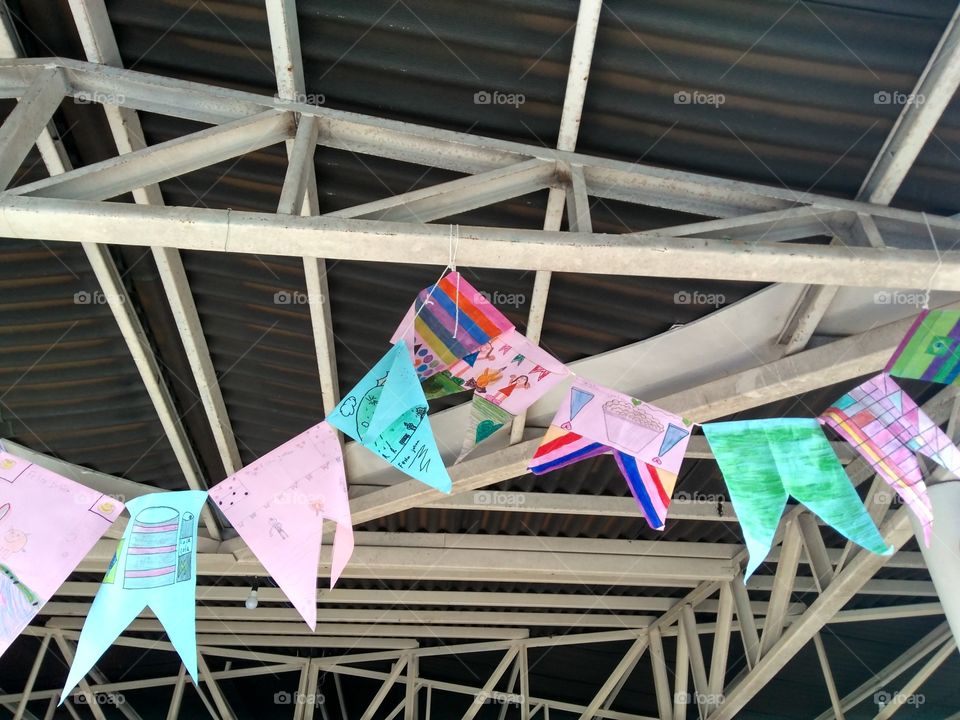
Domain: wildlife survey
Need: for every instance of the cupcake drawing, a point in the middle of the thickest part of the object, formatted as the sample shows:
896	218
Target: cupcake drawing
628	425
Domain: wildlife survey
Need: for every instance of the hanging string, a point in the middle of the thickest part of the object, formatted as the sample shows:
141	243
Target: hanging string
933	240
452	264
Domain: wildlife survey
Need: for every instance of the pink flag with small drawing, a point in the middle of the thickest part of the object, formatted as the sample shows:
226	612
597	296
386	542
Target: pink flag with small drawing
48	523
277	505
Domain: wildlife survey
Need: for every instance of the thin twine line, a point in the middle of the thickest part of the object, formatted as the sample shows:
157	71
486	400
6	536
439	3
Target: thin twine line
926	296
452	266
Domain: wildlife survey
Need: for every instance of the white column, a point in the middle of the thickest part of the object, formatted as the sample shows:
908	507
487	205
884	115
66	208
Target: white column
943	555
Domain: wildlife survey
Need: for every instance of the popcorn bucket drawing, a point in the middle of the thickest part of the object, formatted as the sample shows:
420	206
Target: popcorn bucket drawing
152	552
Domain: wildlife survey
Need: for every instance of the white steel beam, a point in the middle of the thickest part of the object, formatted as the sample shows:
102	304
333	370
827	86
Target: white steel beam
32	678
896	531
22	128
116	176
908	690
177	698
782	584
209	229
688	628
100	46
85	690
620	672
934	89
919	650
381	694
661	683
746	621
828	678
219	699
458	196
721	645
481	697
681	678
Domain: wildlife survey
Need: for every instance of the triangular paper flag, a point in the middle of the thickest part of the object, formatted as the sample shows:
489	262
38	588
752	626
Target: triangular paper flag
510	373
48	523
155	566
931	348
485	420
887	428
648	443
765	461
404	440
448	322
278	504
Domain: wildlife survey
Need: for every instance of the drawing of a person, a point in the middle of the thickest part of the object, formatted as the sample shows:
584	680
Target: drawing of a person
487	377
276	526
516	381
12	542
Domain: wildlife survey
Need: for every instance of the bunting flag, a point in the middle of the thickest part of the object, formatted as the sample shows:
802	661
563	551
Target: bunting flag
931	348
278	504
765	461
648	443
386	412
458	341
154	566
887	428
48	523
507	376
447	322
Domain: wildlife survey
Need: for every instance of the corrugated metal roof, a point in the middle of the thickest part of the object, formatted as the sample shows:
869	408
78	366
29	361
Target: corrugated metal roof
798	82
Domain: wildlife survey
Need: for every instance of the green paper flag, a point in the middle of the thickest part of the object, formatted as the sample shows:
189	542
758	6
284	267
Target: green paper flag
765	461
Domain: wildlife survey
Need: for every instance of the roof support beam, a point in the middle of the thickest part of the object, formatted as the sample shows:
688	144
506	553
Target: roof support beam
620	673
481	697
896	531
381	694
937	85
906	692
29	118
32	678
100	46
116	176
782	584
828	678
207	229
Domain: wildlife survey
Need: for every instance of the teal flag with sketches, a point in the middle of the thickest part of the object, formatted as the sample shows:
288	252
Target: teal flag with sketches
386	412
765	461
155	566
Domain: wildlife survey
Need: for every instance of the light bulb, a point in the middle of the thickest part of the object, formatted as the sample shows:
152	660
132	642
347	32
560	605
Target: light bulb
252	602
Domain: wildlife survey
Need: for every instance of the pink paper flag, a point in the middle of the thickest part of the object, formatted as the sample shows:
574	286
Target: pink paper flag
887	428
510	371
48	523
277	505
648	443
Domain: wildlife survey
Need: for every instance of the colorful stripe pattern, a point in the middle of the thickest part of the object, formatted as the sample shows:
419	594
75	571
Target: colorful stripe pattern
448	321
651	487
887	428
647	443
930	350
765	461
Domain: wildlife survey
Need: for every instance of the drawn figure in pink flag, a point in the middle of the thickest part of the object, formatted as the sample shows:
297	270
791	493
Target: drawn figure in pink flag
278	504
48	524
516	381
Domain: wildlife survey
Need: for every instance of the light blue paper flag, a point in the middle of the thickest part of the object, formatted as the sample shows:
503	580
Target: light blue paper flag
154	566
387	413
765	461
